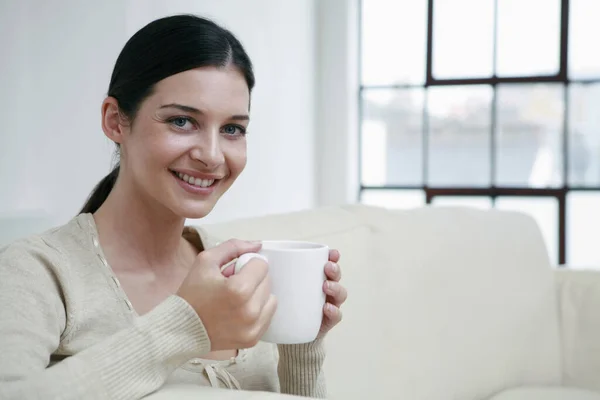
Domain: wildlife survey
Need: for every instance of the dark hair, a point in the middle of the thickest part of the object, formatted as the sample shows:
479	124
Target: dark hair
160	49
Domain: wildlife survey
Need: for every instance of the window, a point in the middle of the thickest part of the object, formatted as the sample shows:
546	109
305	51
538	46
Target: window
485	103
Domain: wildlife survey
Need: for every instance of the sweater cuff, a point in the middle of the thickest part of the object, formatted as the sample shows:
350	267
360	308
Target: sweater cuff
312	349
175	331
158	343
300	368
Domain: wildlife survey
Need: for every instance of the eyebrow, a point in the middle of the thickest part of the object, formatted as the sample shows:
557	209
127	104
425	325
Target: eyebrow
241	117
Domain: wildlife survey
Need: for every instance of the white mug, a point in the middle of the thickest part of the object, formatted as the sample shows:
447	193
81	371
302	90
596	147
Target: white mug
297	272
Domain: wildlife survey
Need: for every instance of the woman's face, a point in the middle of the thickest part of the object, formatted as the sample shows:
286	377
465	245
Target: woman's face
187	144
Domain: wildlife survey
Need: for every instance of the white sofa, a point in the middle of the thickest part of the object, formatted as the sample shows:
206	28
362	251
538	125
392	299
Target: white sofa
449	303
445	303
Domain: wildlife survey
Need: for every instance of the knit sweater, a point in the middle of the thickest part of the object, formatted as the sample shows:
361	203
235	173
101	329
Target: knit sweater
68	331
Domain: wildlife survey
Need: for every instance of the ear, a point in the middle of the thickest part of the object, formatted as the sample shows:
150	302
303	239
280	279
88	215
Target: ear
113	124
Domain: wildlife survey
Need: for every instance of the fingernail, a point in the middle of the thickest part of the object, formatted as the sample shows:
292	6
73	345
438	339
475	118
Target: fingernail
334	267
327	286
330	307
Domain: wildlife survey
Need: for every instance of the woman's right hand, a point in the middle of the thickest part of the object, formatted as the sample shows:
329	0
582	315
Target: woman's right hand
235	310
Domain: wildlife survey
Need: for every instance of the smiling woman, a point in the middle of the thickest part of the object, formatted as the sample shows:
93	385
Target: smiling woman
188	123
180	99
124	298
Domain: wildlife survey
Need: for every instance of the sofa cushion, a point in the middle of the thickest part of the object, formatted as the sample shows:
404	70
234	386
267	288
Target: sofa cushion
546	393
465	304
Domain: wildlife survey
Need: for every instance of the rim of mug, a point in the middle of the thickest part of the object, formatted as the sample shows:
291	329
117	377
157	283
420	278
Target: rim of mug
292	245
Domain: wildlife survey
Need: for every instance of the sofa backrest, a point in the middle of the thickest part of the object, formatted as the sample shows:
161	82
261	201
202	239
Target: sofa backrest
444	302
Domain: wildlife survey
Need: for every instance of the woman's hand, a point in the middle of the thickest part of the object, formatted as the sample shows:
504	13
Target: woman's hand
336	294
235	310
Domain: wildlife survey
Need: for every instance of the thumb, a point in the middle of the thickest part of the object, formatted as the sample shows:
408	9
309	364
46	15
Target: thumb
229	251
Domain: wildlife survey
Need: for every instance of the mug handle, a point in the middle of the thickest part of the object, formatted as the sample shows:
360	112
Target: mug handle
245	258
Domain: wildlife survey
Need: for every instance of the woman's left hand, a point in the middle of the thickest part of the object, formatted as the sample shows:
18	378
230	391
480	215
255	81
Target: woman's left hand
335	293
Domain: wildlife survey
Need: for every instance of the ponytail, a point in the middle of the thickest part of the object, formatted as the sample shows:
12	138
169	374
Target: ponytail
101	192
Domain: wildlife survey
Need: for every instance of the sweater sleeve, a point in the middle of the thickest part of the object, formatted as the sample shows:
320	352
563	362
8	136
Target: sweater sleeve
300	369
127	365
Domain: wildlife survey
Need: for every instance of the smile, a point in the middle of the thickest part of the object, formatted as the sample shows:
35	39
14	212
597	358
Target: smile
203	183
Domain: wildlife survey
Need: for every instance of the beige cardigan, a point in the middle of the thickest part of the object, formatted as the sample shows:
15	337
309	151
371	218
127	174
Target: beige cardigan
68	331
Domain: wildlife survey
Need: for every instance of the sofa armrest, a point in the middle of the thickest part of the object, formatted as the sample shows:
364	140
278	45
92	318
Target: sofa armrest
579	311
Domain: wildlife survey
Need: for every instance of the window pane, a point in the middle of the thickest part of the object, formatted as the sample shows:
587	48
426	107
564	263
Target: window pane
529	135
583	229
463	42
584	30
392	137
459	135
528	39
393	198
584	135
463	201
544	210
394	41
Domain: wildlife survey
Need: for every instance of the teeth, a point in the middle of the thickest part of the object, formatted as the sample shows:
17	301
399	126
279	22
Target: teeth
195	181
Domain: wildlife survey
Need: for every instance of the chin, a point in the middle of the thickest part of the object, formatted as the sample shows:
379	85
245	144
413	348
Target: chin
194	211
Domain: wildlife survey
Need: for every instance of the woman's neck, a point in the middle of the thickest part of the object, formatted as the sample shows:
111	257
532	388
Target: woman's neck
139	230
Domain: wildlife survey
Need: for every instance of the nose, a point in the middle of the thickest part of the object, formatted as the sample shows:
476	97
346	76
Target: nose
208	150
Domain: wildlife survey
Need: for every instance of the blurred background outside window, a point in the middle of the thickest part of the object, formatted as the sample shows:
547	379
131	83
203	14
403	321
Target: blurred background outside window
485	103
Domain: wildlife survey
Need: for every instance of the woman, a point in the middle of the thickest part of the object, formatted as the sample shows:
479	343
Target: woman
123	299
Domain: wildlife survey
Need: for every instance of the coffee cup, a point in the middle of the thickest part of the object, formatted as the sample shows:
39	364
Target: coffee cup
297	273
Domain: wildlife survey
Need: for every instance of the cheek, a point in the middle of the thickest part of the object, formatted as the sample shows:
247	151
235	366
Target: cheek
236	156
157	147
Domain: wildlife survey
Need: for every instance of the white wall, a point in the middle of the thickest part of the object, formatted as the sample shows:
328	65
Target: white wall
337	102
55	67
57	60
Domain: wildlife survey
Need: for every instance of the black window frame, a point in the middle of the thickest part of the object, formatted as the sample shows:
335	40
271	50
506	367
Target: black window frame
493	191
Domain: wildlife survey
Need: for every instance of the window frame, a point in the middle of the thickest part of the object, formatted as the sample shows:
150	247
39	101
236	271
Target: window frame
492	191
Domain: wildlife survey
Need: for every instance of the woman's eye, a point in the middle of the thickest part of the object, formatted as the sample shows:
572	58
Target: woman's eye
233	130
181	122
